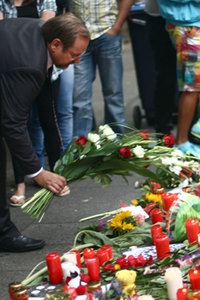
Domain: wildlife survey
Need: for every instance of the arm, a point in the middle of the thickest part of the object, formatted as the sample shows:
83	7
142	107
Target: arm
124	8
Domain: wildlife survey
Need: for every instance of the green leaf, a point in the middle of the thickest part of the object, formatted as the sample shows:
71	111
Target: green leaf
190	208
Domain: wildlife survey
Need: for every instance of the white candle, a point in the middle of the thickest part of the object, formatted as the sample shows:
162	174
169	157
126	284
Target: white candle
174	281
70	257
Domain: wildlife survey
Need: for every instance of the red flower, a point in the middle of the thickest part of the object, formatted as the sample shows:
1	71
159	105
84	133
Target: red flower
81	289
169	140
125	152
144	134
109	267
82	140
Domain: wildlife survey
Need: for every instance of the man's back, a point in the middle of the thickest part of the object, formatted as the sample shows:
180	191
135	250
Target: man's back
22	46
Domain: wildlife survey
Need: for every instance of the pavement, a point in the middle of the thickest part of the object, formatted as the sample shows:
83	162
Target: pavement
61	221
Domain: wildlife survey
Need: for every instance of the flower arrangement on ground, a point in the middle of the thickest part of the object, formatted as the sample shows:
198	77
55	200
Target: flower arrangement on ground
105	153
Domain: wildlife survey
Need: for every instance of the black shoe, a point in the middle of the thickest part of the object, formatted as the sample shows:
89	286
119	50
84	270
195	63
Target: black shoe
20	244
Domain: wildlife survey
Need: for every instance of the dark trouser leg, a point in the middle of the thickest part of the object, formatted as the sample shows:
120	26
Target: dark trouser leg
7	228
47	115
165	63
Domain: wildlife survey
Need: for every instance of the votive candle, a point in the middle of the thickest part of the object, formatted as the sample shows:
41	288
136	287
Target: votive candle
103	256
156	215
174	282
88	253
109	249
78	257
192	230
162	246
156	230
54	268
194	275
93	266
168	200
181	293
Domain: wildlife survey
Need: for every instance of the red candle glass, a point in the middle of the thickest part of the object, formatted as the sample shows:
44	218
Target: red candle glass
194	275
156	215
78	257
93	267
162	246
192	230
88	253
181	294
54	268
103	256
156	230
108	249
168	200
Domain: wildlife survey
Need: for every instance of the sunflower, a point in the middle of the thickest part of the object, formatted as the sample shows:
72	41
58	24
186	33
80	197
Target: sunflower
156	198
122	222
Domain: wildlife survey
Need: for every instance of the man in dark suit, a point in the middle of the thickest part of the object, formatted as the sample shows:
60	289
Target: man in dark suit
28	50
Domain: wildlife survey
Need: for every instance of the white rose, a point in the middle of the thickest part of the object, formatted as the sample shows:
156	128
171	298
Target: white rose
94	137
107	132
139	151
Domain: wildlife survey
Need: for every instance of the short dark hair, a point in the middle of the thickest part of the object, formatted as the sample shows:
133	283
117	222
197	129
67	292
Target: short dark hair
66	27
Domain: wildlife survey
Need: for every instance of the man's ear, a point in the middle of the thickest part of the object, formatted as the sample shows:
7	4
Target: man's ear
55	44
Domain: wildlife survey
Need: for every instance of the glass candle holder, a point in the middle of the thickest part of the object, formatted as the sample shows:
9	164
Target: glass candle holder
156	231
156	216
162	246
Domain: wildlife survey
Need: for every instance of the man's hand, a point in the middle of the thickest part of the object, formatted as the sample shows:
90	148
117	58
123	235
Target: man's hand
51	181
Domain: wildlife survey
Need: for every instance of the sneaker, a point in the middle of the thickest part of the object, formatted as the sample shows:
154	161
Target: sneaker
195	130
189	148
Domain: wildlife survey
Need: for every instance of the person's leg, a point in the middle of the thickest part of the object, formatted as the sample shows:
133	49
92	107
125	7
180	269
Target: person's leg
36	133
186	110
164	54
6	226
84	75
48	121
65	105
109	59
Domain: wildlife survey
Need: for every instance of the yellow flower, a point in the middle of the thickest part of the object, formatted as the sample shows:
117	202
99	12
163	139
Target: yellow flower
156	198
117	267
123	221
135	202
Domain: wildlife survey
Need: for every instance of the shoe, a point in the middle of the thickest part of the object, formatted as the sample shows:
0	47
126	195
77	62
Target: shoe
65	192
195	130
20	243
189	148
17	200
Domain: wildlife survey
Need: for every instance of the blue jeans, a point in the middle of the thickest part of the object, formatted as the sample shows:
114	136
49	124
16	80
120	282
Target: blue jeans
65	108
104	52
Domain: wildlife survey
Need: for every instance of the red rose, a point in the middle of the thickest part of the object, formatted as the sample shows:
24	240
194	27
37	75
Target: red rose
125	152
82	140
144	134
169	140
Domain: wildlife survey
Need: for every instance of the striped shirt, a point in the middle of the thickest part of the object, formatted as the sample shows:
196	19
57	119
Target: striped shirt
98	15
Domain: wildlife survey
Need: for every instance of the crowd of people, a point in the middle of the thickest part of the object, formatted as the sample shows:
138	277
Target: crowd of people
46	84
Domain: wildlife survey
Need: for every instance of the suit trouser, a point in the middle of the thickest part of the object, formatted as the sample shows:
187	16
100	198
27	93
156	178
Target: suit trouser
6	226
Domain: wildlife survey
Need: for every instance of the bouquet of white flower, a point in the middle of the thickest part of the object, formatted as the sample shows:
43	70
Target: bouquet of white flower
105	153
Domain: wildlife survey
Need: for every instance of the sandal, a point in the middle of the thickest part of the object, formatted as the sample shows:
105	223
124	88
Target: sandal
65	192
17	200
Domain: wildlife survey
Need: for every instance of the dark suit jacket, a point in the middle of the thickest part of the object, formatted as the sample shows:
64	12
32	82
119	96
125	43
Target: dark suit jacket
23	68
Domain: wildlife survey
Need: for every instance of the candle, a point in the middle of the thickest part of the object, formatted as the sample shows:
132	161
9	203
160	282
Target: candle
78	257
109	249
194	275
193	295
88	253
181	293
156	230
162	246
192	230
93	267
168	200
54	268
156	215
103	256
174	281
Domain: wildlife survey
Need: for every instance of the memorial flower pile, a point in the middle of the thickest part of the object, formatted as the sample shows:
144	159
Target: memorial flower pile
104	153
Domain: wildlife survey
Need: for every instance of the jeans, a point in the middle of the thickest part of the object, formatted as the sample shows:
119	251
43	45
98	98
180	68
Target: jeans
165	96
104	52
65	108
